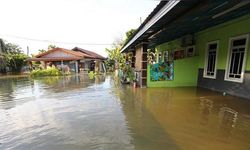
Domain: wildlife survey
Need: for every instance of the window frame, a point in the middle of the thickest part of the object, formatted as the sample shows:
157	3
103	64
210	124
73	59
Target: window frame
231	39
206	60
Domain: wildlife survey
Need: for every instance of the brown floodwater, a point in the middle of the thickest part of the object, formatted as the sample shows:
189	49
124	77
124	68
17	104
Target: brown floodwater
75	112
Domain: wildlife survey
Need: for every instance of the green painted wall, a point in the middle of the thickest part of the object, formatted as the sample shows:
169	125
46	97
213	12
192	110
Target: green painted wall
172	45
222	33
186	70
185	74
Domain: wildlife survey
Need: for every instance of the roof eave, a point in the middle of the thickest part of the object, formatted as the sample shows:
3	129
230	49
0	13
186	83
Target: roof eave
145	26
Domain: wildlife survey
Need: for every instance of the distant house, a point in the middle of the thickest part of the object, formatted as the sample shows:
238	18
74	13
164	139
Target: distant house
92	61
69	60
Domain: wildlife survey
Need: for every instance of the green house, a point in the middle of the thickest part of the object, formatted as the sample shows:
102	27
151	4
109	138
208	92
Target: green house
194	43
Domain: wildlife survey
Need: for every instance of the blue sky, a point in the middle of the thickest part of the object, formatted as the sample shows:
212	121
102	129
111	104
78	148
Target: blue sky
71	21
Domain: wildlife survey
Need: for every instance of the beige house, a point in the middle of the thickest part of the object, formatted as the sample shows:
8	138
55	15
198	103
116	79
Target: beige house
71	60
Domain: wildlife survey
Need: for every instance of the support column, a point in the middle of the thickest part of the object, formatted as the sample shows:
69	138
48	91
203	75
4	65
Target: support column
76	66
133	59
97	62
141	64
144	65
45	65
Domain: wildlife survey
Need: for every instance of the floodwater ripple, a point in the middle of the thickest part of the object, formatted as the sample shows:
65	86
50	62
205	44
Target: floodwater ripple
74	112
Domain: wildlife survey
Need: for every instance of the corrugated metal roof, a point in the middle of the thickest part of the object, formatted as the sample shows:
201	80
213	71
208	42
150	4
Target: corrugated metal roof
89	53
187	17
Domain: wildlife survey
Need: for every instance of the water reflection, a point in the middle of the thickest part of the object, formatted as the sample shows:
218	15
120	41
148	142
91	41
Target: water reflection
23	89
186	118
206	109
80	115
227	120
75	112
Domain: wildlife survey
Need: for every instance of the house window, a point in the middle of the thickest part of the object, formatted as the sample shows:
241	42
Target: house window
190	50
236	58
210	60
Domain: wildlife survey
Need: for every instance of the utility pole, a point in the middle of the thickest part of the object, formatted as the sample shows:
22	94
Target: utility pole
28	50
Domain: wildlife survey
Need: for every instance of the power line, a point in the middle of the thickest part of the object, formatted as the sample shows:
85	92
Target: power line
51	41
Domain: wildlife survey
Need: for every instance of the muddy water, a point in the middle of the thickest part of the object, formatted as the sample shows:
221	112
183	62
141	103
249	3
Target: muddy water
78	113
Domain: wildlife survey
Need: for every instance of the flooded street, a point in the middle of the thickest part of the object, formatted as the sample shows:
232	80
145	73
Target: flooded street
75	112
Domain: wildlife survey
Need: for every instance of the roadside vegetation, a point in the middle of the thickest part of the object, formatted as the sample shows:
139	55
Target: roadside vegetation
50	71
12	57
118	62
46	72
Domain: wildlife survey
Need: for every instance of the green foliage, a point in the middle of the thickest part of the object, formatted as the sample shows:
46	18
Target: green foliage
117	60
110	65
46	72
2	46
15	61
128	72
41	51
13	48
129	34
115	55
51	47
12	57
91	75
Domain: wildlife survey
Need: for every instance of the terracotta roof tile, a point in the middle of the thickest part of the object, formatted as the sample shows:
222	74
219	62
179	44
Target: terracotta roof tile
77	54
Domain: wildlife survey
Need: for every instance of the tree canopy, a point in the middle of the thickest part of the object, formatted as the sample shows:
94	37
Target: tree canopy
115	58
129	34
12	57
11	48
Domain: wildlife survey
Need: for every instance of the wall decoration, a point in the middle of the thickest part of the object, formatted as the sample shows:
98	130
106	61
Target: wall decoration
166	57
162	71
190	50
159	57
179	54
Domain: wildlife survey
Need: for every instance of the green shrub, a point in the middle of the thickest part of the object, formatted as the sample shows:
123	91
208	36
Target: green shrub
15	61
46	72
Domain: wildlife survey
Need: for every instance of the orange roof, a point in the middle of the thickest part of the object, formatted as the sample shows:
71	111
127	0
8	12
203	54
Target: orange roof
77	54
53	59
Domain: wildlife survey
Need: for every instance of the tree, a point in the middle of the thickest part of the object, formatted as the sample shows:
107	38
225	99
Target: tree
115	55
14	57
13	48
51	47
129	34
15	61
41	51
2	46
2	59
115	58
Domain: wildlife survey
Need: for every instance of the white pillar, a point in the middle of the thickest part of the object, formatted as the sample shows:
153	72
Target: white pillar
76	64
